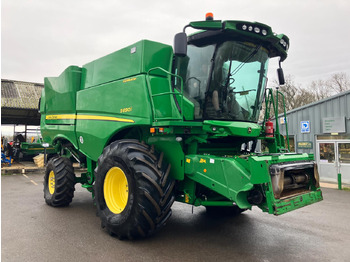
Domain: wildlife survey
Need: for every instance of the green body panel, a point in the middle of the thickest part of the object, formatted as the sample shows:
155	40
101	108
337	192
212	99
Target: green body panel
51	133
234	177
279	207
235	27
173	154
75	106
131	106
270	37
60	92
188	109
59	98
129	61
163	103
227	176
241	129
206	24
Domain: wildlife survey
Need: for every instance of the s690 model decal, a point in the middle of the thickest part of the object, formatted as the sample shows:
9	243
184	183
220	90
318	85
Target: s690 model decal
126	109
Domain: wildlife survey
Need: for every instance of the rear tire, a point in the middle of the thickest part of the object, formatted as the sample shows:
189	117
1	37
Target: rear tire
133	191
59	181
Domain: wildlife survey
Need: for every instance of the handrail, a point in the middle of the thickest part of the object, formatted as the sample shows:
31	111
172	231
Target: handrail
164	93
285	118
270	101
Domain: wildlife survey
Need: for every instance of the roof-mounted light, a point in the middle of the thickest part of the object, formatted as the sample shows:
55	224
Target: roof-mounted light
284	43
253	28
209	17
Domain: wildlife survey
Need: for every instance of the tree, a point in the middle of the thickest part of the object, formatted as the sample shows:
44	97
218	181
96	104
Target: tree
338	82
294	95
319	89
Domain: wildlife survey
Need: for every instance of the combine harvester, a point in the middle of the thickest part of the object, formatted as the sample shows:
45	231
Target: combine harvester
155	124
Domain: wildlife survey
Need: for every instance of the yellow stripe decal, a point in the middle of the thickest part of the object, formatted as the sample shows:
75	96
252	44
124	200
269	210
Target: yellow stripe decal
57	117
39	148
106	118
88	117
129	80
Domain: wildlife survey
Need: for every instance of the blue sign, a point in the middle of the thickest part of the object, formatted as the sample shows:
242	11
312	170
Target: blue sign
305	126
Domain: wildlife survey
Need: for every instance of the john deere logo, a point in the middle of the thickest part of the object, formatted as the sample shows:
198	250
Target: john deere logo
249	130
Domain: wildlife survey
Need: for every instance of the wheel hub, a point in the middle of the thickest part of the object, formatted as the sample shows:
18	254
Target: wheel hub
51	182
116	190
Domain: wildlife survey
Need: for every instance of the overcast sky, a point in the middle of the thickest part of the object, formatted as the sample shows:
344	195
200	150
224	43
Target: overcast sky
42	37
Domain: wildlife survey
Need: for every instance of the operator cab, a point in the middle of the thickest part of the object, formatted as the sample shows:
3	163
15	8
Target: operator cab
226	81
224	71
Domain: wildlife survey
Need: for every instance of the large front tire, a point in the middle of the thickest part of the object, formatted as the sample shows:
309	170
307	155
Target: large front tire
59	182
133	191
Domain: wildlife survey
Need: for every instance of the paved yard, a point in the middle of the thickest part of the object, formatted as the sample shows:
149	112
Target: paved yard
33	231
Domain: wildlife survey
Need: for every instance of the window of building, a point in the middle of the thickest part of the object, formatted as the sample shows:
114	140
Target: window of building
327	153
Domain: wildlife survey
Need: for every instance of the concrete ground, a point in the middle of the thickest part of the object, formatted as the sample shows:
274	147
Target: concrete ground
33	231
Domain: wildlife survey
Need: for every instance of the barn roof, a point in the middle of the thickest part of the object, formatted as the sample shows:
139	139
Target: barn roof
19	94
19	102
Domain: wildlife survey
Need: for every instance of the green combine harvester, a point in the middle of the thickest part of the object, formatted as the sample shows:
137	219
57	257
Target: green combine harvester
154	124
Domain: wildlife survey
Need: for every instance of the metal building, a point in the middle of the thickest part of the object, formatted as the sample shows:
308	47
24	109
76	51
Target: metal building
323	128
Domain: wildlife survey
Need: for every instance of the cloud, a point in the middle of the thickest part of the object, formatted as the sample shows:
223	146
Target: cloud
41	38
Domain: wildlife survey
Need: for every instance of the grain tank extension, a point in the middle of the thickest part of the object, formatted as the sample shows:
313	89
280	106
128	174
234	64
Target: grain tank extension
153	124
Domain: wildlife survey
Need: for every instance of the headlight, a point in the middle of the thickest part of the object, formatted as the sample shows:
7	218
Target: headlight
284	44
257	29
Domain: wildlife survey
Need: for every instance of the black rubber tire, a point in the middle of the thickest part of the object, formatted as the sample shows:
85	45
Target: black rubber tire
150	190
218	211
64	182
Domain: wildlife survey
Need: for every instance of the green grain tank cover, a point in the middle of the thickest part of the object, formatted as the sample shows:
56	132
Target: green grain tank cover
130	61
60	92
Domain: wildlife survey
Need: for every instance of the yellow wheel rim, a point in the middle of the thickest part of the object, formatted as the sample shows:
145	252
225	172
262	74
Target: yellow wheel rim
51	182
116	190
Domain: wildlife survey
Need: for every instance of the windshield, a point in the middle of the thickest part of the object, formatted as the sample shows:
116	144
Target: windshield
227	81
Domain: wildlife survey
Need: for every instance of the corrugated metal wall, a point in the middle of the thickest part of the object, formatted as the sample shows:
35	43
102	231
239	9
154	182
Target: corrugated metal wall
335	106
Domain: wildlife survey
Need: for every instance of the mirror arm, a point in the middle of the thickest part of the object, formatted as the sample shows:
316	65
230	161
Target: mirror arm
184	30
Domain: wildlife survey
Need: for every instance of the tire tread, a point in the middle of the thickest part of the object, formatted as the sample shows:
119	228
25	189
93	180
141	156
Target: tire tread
153	196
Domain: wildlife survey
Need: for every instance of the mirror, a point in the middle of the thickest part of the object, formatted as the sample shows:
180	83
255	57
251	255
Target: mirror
180	44
280	76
